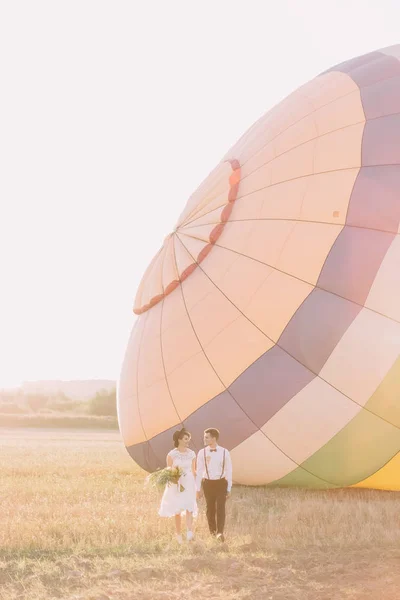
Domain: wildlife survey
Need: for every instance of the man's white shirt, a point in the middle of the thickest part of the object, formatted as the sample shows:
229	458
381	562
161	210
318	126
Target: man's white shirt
215	466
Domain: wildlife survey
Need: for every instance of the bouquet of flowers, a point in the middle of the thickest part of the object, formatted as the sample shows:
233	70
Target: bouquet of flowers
167	476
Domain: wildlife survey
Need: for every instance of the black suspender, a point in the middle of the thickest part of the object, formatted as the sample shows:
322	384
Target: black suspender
223	465
205	462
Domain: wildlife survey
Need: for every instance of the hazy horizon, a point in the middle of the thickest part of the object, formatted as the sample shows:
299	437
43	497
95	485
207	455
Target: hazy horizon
113	113
55	381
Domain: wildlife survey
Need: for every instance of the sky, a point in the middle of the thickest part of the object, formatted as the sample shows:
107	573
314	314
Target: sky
111	114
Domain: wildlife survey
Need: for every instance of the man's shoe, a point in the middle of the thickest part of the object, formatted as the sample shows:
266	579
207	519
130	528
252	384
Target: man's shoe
189	536
220	537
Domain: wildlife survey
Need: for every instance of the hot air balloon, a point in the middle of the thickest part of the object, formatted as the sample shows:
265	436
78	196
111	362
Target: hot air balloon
272	311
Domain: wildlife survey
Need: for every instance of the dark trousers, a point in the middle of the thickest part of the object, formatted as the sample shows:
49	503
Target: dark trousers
215	495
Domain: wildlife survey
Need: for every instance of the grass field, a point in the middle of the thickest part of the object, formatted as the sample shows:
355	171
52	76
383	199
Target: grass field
76	522
60	420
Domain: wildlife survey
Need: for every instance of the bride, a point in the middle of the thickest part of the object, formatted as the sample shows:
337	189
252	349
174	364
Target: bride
174	501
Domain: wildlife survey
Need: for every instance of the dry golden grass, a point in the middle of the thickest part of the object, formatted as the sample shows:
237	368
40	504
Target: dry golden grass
58	420
77	523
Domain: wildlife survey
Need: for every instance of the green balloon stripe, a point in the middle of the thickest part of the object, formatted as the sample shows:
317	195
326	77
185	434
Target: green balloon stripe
362	447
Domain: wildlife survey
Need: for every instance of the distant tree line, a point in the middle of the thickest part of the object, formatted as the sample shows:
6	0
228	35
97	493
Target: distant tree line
18	402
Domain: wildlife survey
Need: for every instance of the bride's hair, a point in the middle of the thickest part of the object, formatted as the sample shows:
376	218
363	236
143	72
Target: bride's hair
179	435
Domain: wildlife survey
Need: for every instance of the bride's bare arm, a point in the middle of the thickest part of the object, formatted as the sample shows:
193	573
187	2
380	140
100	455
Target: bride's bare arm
169	461
194	467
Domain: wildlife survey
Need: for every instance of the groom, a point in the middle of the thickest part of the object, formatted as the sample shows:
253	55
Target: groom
214	473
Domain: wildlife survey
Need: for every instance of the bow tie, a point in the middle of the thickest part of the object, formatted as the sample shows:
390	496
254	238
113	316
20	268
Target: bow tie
211	450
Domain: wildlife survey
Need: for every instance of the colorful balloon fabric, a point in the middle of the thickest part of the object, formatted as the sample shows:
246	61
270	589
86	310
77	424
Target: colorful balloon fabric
272	311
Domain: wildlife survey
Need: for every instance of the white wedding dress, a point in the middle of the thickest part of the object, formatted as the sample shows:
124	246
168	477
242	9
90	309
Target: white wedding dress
175	502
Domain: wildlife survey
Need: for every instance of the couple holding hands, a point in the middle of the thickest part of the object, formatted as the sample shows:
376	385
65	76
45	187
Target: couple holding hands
209	474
